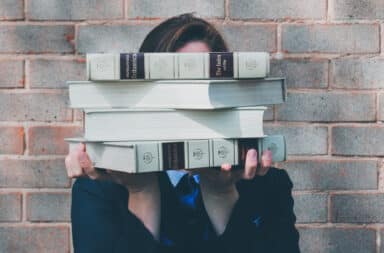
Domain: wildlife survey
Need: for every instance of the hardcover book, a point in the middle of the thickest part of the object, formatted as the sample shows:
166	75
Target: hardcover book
150	156
170	124
177	65
177	94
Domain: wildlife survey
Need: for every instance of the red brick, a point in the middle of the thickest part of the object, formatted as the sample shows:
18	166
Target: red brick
28	39
302	73
11	74
55	73
35	107
35	239
328	107
33	173
357	208
10	206
357	9
45	140
11	9
277	10
74	9
253	37
11	140
48	206
358	140
358	73
335	38
337	240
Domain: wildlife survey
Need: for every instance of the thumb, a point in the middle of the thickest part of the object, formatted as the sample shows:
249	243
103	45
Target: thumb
250	164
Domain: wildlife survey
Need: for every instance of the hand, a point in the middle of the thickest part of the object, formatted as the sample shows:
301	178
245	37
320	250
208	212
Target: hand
218	187
144	193
78	164
224	180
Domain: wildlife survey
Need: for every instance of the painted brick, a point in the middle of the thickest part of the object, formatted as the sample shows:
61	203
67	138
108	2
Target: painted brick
36	39
358	73
11	9
275	9
304	73
12	140
111	38
357	208
33	173
11	74
328	106
35	107
325	175
48	206
337	240
297	138
253	37
168	8
45	140
357	9
366	141
357	38
10	207
55	73
74	9
34	239
318	208
381	106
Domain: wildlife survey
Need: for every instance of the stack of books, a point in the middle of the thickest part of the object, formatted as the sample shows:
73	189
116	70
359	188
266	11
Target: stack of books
148	112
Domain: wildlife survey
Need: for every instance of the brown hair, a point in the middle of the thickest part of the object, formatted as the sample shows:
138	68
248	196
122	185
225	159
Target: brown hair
175	32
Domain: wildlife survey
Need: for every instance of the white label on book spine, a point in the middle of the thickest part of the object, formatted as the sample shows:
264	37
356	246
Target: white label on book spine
147	157
223	152
161	66
191	66
198	154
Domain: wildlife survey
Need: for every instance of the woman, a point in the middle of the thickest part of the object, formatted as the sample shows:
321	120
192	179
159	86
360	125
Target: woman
249	210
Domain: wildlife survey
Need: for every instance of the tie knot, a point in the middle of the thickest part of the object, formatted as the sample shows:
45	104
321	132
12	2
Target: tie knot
188	191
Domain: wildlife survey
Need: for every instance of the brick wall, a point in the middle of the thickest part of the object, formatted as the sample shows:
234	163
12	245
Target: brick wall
329	50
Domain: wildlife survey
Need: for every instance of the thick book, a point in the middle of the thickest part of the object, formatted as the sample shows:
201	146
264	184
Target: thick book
170	124
150	156
177	65
177	94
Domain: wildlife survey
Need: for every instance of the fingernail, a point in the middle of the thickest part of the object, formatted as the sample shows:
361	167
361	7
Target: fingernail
252	154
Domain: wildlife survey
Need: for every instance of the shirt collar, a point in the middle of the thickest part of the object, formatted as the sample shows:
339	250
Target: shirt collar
176	175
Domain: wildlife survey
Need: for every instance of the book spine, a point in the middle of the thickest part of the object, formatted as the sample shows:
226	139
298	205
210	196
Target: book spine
157	66
153	156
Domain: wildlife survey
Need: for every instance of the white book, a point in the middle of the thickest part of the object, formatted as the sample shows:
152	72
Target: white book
177	65
169	124
150	156
177	94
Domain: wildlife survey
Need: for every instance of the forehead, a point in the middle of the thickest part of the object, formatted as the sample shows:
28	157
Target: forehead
194	46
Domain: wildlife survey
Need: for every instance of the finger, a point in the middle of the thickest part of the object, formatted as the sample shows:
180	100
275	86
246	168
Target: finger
73	167
80	147
87	166
266	162
226	167
250	164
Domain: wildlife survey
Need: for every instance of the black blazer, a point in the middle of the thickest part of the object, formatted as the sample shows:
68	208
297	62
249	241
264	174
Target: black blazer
262	220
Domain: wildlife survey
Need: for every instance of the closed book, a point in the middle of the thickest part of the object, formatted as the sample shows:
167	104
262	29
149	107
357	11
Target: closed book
177	94
150	156
170	124
177	65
